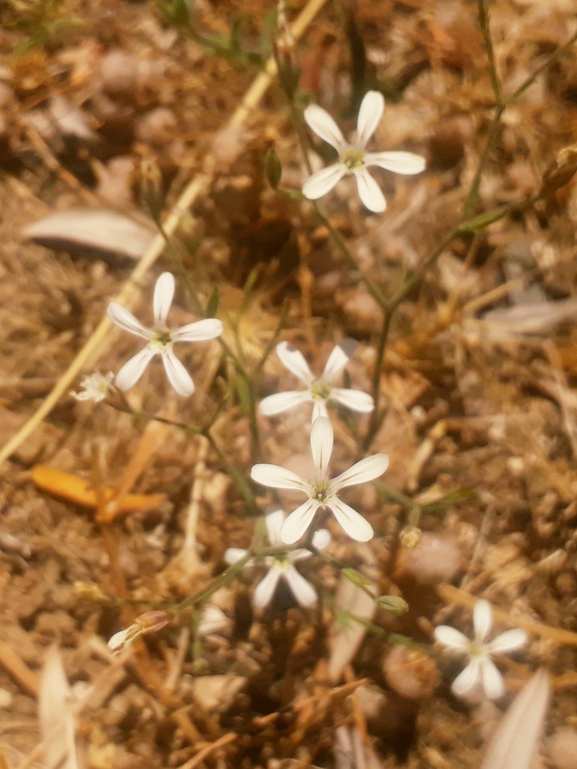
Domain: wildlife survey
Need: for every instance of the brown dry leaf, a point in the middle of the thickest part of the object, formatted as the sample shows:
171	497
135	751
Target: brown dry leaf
217	693
56	714
347	636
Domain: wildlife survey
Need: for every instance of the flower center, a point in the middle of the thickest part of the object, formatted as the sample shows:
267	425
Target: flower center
281	563
161	340
321	491
320	391
353	159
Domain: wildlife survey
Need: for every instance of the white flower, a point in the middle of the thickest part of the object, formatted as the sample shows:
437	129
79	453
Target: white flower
321	490
95	387
161	339
353	158
319	391
281	566
481	668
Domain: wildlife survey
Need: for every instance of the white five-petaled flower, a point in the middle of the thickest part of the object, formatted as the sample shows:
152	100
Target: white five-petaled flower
353	157
281	566
94	387
321	490
319	391
161	339
481	668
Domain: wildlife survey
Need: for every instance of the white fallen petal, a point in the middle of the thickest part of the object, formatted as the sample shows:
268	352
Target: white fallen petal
133	369
397	162
370	114
126	320
265	589
366	470
302	590
274	521
323	181
492	680
163	296
293	360
199	331
352	522
338	359
279	402
234	554
451	637
508	641
356	400
322	444
467	678
177	375
369	191
482	620
319	121
298	522
278	478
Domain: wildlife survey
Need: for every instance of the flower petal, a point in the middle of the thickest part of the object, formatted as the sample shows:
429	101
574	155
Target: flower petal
338	359
274	521
177	375
454	639
353	523
293	360
323	181
265	589
278	478
275	404
493	683
370	114
369	191
367	469
302	590
398	162
234	554
319	121
322	437
298	522
163	296
133	369
199	331
126	320
507	642
321	539
319	410
467	678
482	620
356	400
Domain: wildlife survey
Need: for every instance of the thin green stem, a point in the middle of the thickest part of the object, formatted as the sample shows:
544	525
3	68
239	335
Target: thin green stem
486	30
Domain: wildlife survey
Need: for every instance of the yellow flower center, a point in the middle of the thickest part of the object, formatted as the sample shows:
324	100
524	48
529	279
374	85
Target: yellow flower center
320	391
161	340
353	159
321	491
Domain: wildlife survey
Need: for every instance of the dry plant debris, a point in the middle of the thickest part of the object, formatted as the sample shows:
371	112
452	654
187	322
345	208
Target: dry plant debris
173	132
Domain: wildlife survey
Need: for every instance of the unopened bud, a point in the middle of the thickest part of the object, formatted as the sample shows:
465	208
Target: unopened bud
272	168
560	172
393	603
151	191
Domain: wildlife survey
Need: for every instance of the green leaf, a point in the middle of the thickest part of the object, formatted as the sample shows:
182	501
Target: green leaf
355	577
272	168
212	306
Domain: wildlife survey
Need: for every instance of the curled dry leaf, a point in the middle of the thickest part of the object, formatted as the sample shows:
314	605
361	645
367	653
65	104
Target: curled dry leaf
100	232
347	634
57	715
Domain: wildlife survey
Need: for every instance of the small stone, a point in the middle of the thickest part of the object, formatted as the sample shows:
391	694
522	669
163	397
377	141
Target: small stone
6	699
410	673
437	558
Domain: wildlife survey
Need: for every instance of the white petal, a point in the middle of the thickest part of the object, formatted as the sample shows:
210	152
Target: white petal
199	331
126	320
482	620
293	360
274	521
356	400
275	404
492	680
369	191
452	638
319	410
278	478
397	162
367	469
234	554
302	590
177	375
299	555
324	126
322	444
298	522
163	296
467	678
265	590
323	181
338	359
507	642
370	114
321	539
133	369
352	522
